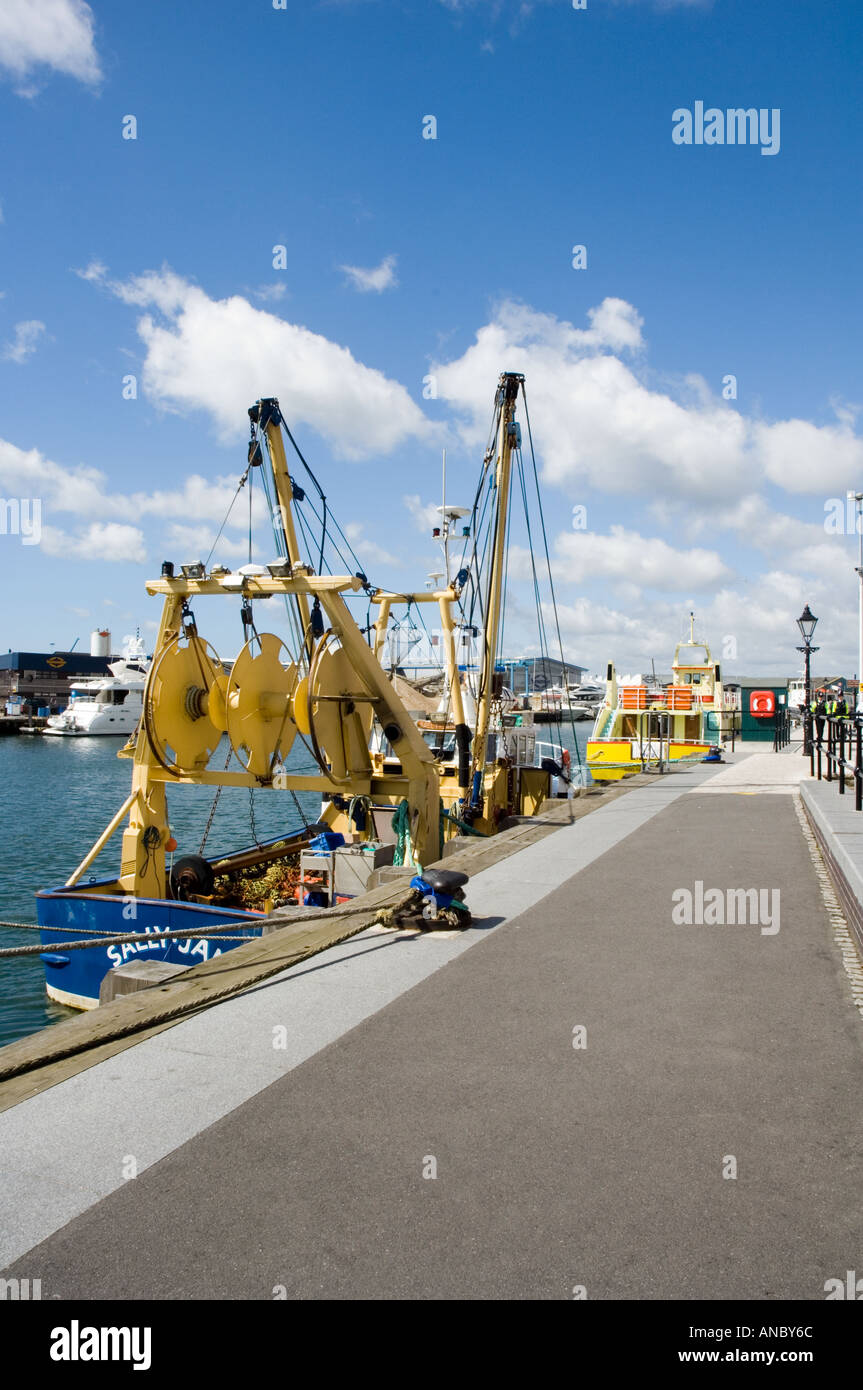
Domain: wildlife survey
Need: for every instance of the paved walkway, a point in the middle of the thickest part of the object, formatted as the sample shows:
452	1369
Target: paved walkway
762	772
603	1165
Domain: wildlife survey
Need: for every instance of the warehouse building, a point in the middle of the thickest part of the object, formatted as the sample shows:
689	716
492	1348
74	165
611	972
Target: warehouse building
42	680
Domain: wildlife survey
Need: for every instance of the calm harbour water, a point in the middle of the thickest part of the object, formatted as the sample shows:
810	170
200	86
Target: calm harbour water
56	797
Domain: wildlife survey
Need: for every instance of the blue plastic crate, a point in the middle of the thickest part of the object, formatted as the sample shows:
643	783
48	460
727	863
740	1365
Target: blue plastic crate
328	841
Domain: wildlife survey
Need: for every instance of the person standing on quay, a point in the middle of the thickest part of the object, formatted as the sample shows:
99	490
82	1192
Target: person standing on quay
819	711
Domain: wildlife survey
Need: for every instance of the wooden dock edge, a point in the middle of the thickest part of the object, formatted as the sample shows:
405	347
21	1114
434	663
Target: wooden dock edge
44	1059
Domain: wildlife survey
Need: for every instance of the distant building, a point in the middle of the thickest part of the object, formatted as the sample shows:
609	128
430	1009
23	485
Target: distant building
754	728
524	675
44	679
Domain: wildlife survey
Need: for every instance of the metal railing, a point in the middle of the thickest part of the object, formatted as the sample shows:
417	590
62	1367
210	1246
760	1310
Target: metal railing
729	724
838	744
781	729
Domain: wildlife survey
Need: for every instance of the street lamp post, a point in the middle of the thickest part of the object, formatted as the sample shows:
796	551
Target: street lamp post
806	623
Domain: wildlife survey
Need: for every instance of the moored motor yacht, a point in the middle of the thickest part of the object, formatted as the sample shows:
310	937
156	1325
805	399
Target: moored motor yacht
107	705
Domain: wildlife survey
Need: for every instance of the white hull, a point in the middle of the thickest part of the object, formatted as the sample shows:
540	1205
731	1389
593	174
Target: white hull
88	733
109	707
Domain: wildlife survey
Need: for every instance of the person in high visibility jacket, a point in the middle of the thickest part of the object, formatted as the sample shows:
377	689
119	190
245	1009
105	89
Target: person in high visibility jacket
818	709
836	706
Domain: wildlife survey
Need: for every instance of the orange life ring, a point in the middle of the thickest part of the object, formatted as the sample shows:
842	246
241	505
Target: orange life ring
566	758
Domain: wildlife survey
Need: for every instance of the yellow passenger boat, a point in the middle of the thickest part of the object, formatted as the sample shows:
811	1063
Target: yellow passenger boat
640	726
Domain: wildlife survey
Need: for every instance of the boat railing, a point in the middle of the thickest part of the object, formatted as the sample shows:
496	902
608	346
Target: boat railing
679	699
605	721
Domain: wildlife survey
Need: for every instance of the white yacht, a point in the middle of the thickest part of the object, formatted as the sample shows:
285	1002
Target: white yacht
108	704
587	692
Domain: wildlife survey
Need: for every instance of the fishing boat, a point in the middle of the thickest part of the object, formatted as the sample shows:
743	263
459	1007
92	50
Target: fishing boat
321	689
492	768
107	705
641	725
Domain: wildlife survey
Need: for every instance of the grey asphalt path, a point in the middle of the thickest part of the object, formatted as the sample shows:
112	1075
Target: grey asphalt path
599	1167
149	1099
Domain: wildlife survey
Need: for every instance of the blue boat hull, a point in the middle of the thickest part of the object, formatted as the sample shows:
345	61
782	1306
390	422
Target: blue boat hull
74	977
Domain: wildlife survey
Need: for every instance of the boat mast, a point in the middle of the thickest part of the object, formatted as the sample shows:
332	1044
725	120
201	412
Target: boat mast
508	437
266	414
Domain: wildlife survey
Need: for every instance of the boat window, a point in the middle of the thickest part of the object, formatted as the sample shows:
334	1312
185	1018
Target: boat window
442	745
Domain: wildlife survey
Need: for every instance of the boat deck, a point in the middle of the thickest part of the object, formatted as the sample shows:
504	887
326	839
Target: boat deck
302	1166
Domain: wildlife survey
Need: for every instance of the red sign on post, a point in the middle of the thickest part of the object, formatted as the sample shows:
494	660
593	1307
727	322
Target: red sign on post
762	703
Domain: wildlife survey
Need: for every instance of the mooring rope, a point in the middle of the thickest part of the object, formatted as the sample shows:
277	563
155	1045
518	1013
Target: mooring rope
34	926
107	939
186	1005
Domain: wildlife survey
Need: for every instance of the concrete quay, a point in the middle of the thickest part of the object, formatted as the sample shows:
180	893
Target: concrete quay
584	1091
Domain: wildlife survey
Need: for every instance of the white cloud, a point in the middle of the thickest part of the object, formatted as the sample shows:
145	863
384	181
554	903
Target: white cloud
270	294
757	620
368	549
102	540
425	514
221	355
95	272
806	547
638	560
598	424
802	457
26	341
195	543
381	277
85	492
55	34
204	498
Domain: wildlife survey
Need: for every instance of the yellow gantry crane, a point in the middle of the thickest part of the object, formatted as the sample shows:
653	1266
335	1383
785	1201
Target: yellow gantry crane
330	692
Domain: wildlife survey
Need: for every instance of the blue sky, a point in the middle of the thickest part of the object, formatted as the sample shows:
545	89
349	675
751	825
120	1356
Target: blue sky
303	127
